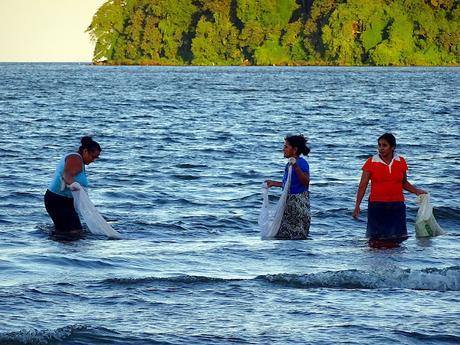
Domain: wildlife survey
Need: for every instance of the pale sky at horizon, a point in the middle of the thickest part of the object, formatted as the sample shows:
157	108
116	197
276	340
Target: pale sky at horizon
46	30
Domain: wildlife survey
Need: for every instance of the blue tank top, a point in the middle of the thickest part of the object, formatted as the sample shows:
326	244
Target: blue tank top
58	186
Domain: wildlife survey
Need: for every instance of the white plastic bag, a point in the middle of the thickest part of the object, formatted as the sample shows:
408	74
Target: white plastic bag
270	218
95	222
425	223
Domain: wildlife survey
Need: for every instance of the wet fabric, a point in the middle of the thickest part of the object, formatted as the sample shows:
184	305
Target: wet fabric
62	212
386	221
95	222
295	224
270	217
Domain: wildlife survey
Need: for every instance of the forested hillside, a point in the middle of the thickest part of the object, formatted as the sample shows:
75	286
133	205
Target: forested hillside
277	32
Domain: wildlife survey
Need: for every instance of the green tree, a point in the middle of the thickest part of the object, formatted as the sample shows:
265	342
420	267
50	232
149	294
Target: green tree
151	40
216	38
175	18
105	29
264	22
133	35
399	45
318	16
282	32
271	53
341	34
292	40
374	20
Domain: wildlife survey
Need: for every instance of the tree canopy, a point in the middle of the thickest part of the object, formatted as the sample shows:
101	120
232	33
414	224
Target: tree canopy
277	32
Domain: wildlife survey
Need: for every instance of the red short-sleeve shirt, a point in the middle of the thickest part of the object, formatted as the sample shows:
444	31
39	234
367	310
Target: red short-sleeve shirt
386	179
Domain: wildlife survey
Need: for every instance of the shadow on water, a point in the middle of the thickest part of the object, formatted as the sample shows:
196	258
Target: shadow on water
50	231
70	237
424	242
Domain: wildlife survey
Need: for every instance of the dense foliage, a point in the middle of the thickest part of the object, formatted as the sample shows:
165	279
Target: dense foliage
277	32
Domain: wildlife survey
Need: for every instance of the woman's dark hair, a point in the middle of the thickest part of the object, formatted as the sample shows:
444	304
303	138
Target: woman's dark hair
390	138
89	144
299	142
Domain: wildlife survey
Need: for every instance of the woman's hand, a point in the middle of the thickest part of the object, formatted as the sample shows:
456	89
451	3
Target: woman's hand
365	178
356	211
74	187
420	191
271	183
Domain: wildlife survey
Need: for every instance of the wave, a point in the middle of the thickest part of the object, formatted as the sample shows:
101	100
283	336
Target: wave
447	213
5	221
429	338
190	166
446	279
40	337
432	279
72	334
95	263
185	279
186	177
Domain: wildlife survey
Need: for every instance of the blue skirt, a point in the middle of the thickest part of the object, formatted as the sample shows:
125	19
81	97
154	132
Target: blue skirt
386	221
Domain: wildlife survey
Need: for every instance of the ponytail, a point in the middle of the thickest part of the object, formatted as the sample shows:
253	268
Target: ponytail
89	144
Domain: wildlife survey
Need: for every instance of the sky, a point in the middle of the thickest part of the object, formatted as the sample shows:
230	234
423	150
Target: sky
46	30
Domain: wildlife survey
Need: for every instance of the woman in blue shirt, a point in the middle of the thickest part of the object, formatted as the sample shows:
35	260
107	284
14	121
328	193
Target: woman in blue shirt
58	197
295	224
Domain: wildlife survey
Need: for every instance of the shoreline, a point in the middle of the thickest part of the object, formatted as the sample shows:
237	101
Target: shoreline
111	64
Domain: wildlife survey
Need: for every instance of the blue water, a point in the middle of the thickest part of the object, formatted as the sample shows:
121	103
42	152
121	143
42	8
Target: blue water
185	152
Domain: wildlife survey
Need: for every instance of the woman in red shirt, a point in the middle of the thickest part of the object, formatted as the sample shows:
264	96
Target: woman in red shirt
386	217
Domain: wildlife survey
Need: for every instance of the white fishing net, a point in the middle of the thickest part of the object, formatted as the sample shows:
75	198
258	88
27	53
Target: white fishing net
270	216
95	222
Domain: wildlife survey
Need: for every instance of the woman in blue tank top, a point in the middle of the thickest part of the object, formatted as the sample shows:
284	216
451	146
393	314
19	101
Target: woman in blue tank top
58	197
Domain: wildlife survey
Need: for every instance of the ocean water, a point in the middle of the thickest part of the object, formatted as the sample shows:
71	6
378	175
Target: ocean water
185	152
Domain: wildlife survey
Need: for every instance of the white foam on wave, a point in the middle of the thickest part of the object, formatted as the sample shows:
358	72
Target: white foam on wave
39	337
446	279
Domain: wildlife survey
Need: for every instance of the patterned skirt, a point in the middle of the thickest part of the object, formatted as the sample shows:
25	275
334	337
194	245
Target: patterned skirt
295	224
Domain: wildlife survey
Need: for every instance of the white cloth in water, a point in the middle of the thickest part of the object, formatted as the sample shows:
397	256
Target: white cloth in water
269	217
95	222
425	223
